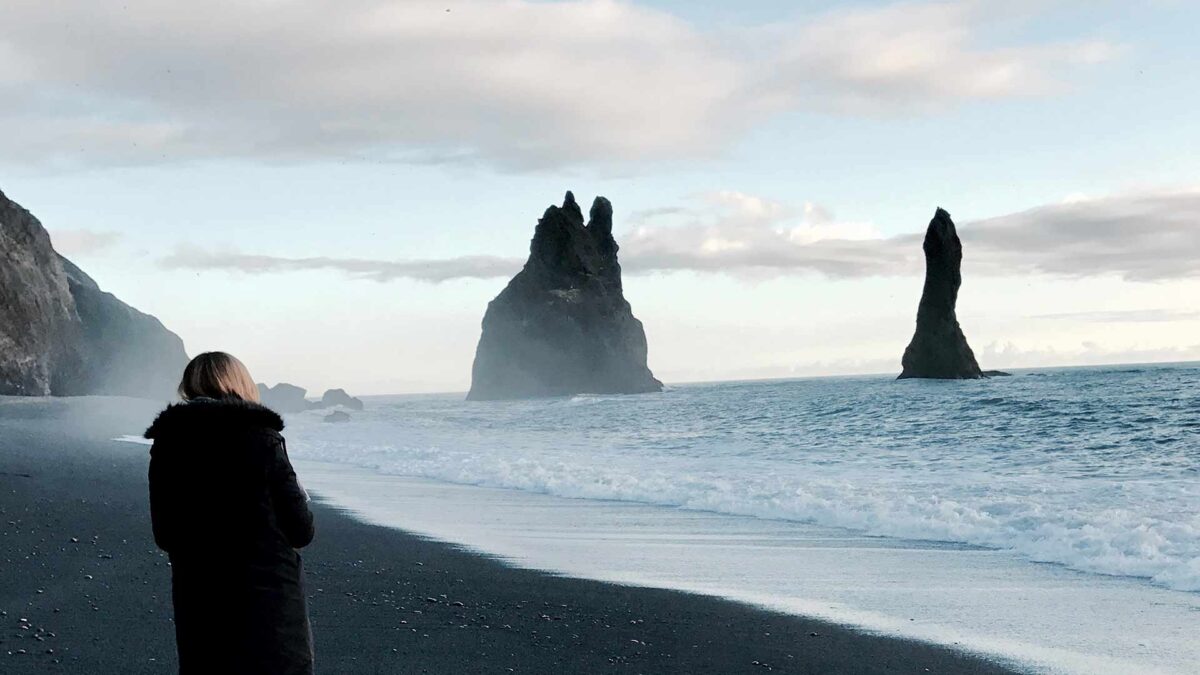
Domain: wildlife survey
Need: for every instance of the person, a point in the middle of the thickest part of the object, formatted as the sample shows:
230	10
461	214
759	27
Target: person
226	507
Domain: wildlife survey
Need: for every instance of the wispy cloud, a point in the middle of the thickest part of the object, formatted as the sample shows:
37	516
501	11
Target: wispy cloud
1125	316
1150	236
465	267
514	83
738	233
1010	355
919	55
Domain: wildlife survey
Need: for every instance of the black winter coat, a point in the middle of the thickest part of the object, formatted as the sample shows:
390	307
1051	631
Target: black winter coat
226	507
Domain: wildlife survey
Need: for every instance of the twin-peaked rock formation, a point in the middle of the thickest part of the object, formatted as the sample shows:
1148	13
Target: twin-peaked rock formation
562	325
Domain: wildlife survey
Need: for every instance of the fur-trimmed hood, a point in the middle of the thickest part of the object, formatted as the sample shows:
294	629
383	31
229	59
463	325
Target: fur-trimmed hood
206	413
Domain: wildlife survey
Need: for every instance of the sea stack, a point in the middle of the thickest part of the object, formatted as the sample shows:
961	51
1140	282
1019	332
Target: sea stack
60	335
939	350
288	398
562	326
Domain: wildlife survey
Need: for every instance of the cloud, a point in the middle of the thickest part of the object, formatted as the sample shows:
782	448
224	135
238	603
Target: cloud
743	234
82	242
1124	316
466	267
1151	236
1010	355
513	83
918	55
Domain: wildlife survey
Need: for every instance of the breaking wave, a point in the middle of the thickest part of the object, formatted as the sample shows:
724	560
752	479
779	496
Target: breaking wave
1094	470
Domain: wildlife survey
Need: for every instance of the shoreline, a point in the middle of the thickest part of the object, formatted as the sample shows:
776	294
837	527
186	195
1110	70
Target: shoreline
94	592
986	602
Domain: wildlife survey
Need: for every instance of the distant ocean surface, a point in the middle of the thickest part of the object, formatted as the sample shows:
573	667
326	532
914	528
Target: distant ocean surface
1095	469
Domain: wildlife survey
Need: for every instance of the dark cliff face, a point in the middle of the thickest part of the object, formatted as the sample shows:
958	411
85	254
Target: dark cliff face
125	352
39	326
61	335
562	326
939	350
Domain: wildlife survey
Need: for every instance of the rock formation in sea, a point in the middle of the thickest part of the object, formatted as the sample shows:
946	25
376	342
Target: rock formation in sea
335	397
284	397
562	326
61	335
939	350
288	398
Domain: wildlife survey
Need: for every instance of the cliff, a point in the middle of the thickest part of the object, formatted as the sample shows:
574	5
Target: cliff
61	335
939	350
562	326
125	352
39	326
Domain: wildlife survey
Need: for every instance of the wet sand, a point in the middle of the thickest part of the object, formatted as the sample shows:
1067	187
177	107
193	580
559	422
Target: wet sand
84	590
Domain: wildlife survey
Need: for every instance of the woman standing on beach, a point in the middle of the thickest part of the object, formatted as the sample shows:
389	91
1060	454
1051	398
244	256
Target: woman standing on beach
226	506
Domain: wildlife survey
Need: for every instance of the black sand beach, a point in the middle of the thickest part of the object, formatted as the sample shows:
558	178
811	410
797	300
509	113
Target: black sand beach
83	589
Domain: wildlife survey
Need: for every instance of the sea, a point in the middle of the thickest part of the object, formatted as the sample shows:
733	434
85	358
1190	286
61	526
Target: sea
1050	519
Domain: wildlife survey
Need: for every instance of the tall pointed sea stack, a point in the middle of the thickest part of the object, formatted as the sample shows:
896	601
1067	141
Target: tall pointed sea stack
562	325
61	335
939	350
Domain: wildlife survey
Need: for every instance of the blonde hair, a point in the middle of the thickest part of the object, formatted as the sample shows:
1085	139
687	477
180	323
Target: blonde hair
217	375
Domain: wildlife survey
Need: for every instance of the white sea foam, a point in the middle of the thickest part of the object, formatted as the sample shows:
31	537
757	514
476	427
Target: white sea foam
1044	618
129	438
1041	523
1094	470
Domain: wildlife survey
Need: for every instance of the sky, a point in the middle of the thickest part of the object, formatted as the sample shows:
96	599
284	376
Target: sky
334	191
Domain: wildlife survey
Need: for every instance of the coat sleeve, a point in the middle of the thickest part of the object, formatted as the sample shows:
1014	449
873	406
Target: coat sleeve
162	507
290	500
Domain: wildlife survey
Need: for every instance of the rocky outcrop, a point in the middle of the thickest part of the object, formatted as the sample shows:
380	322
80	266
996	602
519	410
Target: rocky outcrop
39	327
562	326
61	335
125	352
284	397
288	398
939	350
336	397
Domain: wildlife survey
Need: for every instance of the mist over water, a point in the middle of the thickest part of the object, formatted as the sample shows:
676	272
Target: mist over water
1094	469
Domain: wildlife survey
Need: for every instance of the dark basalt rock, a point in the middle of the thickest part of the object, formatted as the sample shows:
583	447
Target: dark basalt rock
336	397
562	326
939	350
284	397
39	327
288	398
61	335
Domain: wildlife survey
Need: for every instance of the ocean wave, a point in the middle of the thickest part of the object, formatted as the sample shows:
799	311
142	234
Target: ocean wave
130	438
1022	517
1089	470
